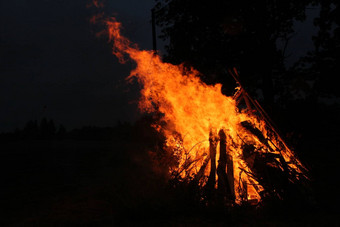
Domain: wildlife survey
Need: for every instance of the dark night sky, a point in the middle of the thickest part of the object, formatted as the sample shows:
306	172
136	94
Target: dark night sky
53	66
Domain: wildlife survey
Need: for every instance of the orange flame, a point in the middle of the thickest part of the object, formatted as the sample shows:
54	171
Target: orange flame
191	109
95	3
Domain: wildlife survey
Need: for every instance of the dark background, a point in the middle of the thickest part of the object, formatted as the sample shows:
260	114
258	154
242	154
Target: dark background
76	151
54	66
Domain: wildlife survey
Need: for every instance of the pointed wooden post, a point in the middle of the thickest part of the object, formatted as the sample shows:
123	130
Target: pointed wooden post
212	152
230	174
222	182
243	92
225	169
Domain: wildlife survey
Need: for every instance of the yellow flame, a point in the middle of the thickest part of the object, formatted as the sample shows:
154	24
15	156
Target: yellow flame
190	109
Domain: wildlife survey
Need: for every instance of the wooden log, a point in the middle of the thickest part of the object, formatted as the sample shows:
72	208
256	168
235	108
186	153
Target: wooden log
223	185
230	173
256	132
213	139
202	169
245	191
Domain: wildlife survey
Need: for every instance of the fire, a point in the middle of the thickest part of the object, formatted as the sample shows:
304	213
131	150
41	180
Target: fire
195	116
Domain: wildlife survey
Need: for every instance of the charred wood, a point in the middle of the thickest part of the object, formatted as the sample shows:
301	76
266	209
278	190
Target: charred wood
200	173
230	173
223	183
213	139
256	132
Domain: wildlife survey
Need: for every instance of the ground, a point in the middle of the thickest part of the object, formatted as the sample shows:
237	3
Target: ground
113	182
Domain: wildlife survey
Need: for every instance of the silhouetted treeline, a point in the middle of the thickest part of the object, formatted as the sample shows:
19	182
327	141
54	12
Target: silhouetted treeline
45	130
141	130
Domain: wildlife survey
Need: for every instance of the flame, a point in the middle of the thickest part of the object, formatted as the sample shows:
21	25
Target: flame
95	3
191	110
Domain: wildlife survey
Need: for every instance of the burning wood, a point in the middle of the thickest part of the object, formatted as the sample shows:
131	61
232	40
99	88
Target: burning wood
251	151
225	178
213	139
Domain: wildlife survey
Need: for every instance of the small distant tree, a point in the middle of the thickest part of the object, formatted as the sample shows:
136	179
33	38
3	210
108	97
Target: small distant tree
61	132
31	130
43	129
47	129
51	128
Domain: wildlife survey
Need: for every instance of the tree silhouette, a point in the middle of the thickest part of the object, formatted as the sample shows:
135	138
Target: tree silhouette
320	65
31	130
47	129
215	35
51	128
61	132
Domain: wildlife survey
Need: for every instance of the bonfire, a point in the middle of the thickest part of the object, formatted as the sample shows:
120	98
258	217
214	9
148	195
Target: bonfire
236	152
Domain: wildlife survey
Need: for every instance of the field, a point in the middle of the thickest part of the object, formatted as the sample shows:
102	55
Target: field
114	182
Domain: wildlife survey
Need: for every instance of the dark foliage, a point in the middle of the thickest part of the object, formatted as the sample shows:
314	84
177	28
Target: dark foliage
45	130
320	65
213	36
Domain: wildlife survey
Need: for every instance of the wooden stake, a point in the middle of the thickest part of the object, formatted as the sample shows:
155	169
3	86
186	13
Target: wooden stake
230	174
212	151
223	185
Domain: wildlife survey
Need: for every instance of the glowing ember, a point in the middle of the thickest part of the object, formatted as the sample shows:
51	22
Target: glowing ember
191	110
